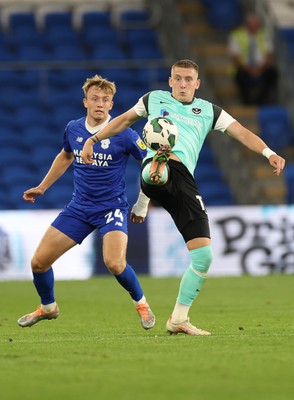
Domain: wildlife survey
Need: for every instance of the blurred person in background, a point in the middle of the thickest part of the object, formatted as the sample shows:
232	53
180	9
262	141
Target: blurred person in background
251	53
98	202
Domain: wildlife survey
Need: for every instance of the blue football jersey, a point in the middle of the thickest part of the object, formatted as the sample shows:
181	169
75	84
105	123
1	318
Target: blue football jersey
102	182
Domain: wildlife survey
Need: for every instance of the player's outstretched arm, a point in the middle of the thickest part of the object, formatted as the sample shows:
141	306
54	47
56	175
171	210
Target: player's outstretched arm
60	164
254	143
114	127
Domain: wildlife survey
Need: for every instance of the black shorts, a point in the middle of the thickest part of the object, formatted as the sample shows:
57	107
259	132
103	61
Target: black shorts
181	198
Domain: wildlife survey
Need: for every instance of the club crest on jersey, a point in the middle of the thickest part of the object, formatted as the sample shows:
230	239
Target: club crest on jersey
196	110
105	143
141	144
164	113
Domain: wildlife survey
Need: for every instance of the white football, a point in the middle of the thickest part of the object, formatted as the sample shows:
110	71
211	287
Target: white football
160	132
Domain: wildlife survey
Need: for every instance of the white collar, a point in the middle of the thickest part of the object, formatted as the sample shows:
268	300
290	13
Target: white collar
97	128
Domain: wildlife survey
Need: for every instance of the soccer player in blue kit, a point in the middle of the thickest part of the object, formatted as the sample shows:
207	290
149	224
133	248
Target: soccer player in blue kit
98	202
167	175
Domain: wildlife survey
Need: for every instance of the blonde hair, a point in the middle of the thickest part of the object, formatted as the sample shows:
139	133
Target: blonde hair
101	83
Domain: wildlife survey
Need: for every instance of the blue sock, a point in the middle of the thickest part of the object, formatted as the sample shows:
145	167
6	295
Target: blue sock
44	283
128	279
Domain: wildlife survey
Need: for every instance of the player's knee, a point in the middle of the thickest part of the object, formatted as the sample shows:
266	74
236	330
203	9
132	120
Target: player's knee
37	265
115	266
146	175
201	259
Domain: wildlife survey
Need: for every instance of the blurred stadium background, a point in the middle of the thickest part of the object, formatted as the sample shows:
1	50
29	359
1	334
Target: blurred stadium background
49	48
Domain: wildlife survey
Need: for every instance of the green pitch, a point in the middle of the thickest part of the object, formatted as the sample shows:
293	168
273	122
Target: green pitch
97	349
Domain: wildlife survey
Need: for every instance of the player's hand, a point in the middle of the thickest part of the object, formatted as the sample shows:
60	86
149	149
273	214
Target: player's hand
87	152
140	209
136	218
31	194
277	162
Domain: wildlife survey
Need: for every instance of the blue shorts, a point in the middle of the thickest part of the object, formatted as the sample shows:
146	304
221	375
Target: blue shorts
78	223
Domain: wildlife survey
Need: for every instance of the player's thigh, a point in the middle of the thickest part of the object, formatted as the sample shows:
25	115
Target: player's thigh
114	247
53	245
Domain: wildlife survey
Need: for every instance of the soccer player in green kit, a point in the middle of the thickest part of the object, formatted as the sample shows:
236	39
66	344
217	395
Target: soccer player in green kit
167	175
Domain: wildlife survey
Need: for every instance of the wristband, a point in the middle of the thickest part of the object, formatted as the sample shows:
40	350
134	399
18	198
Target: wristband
95	139
141	207
142	198
267	152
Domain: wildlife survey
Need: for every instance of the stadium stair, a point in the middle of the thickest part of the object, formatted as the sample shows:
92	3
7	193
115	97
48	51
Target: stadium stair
255	183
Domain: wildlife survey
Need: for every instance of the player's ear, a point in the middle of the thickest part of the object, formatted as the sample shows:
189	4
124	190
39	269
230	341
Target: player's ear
110	108
198	82
85	102
170	82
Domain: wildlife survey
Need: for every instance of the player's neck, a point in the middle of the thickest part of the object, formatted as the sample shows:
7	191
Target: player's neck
94	127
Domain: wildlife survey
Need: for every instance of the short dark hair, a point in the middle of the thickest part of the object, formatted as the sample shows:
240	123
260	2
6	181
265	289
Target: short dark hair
186	64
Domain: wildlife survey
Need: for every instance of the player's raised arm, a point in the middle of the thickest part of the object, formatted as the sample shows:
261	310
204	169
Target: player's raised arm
114	127
253	142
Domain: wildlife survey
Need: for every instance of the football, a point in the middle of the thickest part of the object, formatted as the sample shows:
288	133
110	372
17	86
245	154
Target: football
159	132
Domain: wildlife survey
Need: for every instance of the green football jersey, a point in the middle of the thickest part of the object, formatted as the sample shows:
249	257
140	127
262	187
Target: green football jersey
194	121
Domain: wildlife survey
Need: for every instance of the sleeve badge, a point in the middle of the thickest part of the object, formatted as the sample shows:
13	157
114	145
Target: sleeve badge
141	144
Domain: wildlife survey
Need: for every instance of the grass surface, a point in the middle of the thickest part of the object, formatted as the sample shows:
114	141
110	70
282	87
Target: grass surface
97	349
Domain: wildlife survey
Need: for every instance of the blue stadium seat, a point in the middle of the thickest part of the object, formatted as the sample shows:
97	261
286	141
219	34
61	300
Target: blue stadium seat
121	77
133	16
10	79
26	35
15	98
224	15
275	126
30	79
110	51
68	51
7	53
145	52
287	34
33	134
61	34
32	52
68	98
57	19
208	173
59	195
143	36
65	113
14	155
43	154
215	194
18	174
5	203
101	19
64	78
289	178
128	97
32	116
94	35
21	19
142	44
210	180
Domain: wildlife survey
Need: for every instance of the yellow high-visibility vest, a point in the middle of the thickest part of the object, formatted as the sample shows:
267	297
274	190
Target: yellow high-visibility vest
241	36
